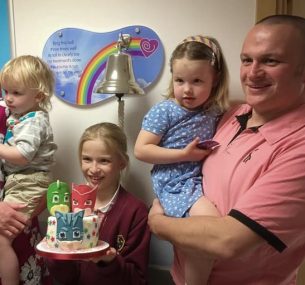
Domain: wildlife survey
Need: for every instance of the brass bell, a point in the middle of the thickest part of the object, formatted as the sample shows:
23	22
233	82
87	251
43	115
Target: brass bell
119	77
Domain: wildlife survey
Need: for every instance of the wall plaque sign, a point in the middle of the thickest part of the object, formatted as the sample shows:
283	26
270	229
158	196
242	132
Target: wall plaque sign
78	59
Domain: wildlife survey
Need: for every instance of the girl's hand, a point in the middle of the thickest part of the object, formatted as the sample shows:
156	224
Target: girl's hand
193	153
110	255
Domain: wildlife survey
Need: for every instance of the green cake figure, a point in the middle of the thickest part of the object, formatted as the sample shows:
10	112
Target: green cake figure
58	197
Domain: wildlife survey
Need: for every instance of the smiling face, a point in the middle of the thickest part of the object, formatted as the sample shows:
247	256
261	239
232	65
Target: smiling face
101	165
272	69
193	81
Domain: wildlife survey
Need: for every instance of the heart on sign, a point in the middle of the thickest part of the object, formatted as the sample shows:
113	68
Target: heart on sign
148	46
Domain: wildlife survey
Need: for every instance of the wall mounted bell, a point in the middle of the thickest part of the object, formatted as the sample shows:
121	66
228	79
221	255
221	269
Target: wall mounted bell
119	77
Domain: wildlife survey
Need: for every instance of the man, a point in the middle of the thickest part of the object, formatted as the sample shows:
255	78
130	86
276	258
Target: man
256	178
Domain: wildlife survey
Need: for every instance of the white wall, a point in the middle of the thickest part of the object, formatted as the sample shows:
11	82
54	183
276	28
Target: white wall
33	21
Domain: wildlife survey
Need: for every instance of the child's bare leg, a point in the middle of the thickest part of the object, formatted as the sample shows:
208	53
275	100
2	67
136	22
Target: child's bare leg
9	265
203	207
197	267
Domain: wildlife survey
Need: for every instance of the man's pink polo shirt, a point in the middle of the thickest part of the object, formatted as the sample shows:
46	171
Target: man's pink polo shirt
259	179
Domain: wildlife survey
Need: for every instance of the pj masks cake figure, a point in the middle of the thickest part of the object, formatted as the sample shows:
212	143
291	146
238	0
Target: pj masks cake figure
58	197
70	230
83	198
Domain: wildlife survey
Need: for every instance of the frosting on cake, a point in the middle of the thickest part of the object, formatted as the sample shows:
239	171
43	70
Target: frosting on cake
73	230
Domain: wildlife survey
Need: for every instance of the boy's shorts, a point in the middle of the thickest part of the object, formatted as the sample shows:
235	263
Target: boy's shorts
28	188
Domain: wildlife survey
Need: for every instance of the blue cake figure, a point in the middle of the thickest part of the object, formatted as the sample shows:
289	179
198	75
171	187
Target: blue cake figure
70	230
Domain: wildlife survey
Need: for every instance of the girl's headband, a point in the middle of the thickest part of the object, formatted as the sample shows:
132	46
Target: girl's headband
206	41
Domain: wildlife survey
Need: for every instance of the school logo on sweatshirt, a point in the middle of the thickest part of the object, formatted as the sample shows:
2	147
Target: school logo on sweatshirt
120	242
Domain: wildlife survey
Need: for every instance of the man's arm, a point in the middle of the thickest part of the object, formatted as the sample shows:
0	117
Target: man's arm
217	237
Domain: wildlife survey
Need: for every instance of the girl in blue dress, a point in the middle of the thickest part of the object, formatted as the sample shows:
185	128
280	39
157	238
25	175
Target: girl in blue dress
172	129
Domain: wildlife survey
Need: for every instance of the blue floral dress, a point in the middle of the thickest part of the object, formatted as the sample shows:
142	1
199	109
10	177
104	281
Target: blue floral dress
178	185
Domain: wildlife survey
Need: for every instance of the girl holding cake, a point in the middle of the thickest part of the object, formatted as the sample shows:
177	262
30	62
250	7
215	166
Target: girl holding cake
103	157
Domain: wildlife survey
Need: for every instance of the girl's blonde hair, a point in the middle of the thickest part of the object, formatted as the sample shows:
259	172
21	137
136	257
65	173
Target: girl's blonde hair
205	48
111	134
30	72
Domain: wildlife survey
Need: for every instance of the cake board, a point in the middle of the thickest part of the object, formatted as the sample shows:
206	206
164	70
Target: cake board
44	250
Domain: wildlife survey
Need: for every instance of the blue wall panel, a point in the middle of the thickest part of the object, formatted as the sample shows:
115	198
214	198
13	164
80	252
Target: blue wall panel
5	50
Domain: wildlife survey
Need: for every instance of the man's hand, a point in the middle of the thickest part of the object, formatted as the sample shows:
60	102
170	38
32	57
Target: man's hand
156	208
12	222
156	211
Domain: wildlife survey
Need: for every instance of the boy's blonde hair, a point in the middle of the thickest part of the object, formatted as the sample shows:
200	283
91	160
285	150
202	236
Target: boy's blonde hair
111	134
30	72
205	48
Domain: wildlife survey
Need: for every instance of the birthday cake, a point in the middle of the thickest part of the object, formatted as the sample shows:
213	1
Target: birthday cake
72	224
